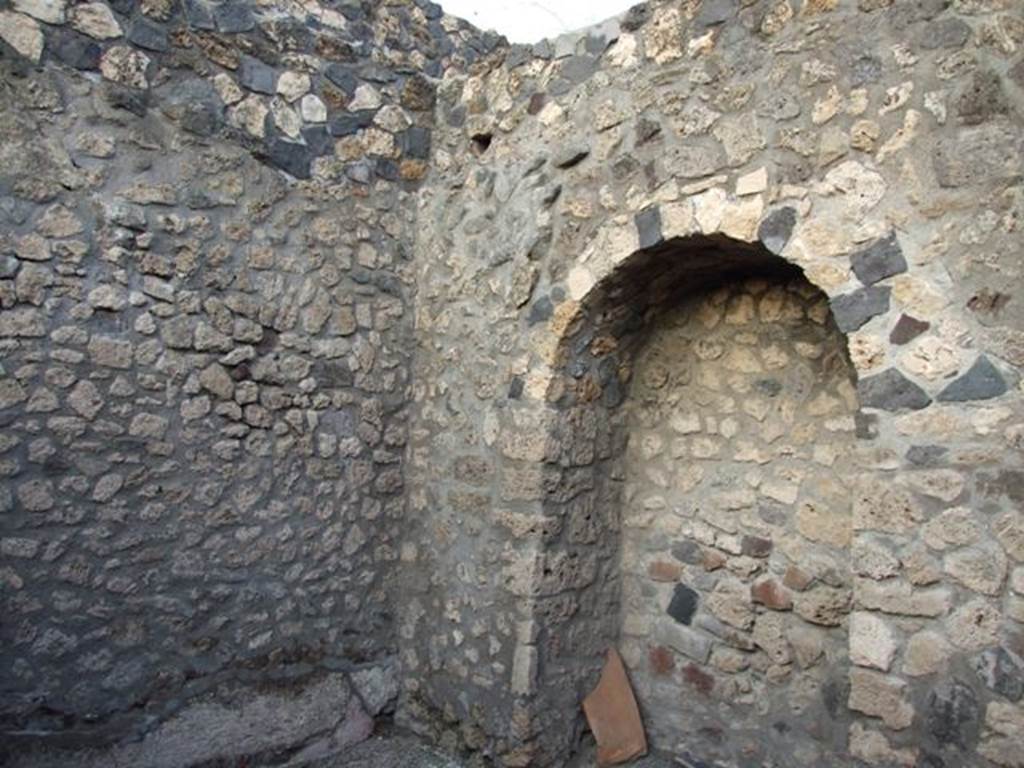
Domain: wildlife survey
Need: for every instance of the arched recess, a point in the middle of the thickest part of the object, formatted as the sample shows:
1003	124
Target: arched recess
576	597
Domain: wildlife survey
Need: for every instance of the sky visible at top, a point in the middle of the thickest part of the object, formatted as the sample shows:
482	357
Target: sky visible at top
529	21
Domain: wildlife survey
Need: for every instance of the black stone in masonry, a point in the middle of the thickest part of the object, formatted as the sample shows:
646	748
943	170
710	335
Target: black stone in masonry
907	329
882	259
291	157
257	76
343	77
982	381
891	391
198	15
148	35
853	310
415	143
648	227
75	50
1001	671
349	123
953	715
233	17
541	310
683	604
776	229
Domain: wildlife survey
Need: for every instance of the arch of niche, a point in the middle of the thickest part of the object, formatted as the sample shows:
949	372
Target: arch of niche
636	267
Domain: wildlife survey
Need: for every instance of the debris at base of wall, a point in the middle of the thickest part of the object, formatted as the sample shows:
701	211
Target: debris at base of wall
613	715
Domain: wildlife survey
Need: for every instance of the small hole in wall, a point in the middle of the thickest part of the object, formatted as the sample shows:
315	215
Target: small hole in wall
481	142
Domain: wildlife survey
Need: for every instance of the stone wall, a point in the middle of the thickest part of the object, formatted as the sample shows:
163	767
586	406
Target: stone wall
205	325
584	185
320	327
736	525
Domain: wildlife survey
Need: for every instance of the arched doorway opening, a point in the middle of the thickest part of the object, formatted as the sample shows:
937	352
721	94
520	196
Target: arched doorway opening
703	404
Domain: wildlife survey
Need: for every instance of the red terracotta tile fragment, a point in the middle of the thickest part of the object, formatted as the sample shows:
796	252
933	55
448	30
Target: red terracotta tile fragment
613	715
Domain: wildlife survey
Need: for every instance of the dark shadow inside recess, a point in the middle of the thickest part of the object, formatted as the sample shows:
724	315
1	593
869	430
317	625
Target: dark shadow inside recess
581	609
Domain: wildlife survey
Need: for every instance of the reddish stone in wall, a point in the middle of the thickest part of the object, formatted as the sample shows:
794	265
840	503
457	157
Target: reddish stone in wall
659	570
770	593
698	678
713	560
662	660
797	578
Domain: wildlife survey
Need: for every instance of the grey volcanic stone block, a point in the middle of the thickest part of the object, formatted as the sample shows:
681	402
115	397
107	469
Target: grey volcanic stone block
1001	671
343	77
233	17
148	35
882	259
198	15
907	329
257	76
776	229
852	310
648	227
350	123
416	142
290	157
981	382
688	551
75	50
954	715
683	604
891	391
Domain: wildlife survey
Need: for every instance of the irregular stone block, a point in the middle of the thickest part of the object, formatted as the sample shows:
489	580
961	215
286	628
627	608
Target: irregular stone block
257	76
48	11
1001	671
982	98
907	329
95	20
891	391
291	157
926	653
953	715
776	229
881	696
233	18
982	381
880	260
683	604
198	15
852	310
683	639
22	34
648	226
872	642
148	35
76	50
985	154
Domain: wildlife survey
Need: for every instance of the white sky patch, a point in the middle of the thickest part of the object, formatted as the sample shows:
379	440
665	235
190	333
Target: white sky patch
530	21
